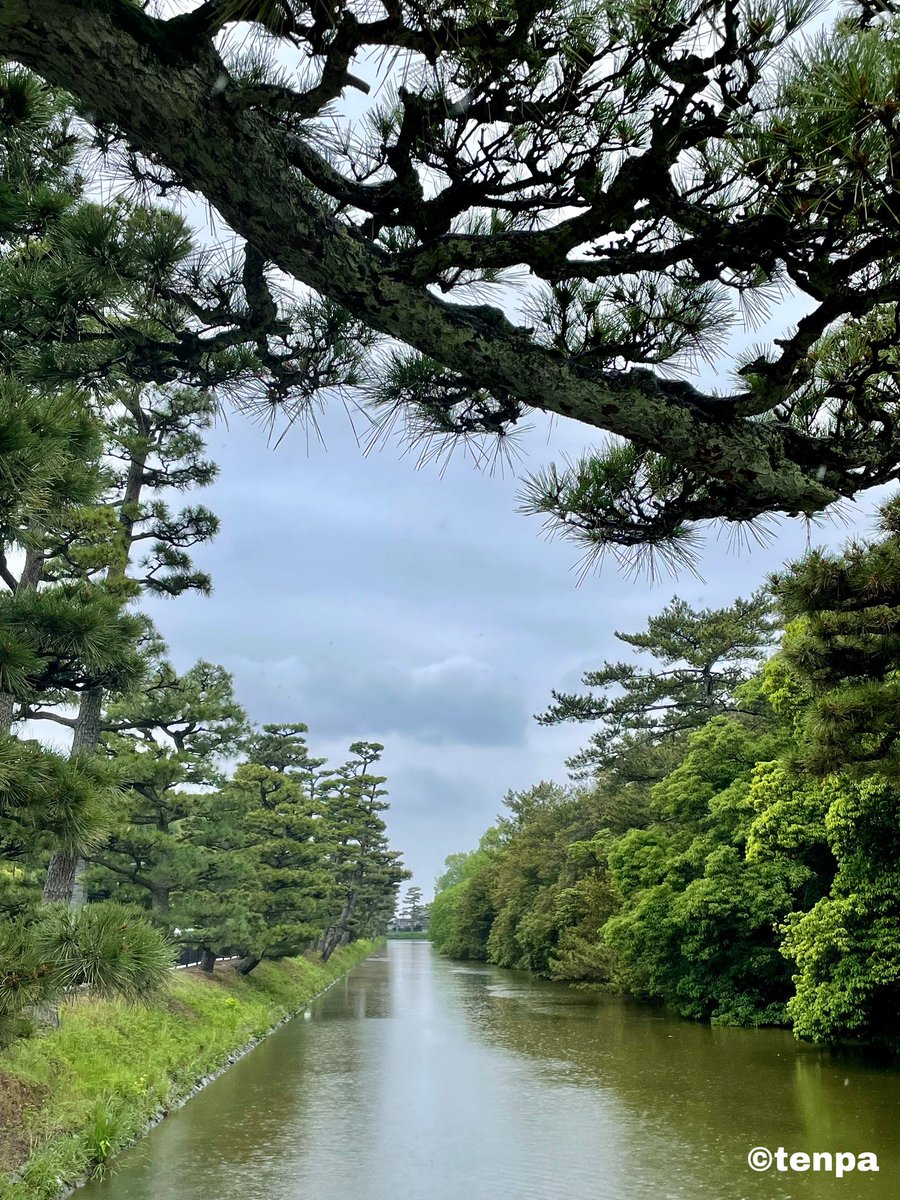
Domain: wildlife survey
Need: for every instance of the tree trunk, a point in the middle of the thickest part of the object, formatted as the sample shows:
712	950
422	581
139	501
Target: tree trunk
208	960
29	579
248	964
63	880
87	724
338	934
32	571
60	883
7	705
45	1015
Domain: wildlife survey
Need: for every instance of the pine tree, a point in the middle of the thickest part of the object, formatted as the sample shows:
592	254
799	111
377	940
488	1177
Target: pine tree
365	873
282	843
168	745
218	905
378	891
86	290
413	910
59	640
843	647
649	206
106	948
119	294
157	437
53	641
49	466
701	657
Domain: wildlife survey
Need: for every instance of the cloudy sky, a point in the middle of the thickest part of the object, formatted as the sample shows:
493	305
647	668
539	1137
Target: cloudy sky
374	600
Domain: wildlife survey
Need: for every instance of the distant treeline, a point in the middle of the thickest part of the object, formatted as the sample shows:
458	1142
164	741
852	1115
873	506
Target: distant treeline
730	843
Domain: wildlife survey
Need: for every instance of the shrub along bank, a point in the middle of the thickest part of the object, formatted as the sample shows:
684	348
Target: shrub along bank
74	1097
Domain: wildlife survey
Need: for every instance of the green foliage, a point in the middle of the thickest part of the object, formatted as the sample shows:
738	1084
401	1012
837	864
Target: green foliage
66	638
462	918
115	330
756	881
117	296
647	207
413	910
107	948
847	946
366	874
844	648
262	863
49	447
699	921
700	660
535	894
168	745
45	798
285	872
462	911
111	1068
791	825
104	1133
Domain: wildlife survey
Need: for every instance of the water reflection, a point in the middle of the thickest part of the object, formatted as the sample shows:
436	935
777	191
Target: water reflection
419	1078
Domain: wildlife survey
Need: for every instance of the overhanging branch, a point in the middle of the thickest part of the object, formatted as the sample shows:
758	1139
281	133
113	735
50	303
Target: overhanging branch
257	173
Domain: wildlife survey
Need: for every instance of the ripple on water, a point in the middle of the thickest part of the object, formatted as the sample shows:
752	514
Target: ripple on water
487	1085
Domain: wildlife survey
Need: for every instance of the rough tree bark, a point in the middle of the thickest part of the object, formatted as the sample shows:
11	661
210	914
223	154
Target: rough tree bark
63	881
7	709
169	94
338	934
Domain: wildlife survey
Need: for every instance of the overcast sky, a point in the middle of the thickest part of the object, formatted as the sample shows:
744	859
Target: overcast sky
374	600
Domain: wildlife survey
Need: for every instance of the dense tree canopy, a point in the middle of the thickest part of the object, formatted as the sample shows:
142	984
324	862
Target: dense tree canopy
655	172
755	881
845	649
104	346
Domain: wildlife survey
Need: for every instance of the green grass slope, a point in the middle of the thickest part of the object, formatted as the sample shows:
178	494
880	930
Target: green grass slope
73	1097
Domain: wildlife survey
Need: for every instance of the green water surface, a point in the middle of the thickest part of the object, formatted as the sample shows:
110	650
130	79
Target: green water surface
416	1078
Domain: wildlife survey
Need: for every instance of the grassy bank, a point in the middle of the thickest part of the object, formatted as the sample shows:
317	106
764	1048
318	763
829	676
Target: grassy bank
72	1098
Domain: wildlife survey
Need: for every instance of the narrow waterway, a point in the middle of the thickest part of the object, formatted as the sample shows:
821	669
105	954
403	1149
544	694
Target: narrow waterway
416	1078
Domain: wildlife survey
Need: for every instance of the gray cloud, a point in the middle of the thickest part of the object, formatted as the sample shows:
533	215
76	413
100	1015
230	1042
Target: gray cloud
372	600
458	700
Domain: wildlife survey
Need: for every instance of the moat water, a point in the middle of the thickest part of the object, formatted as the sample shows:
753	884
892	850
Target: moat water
417	1078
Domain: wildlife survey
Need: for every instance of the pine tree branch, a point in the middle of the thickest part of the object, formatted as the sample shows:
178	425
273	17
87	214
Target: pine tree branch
109	52
133	876
6	575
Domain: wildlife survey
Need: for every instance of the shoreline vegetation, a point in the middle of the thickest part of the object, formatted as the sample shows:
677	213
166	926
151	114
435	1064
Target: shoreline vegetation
74	1097
728	842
